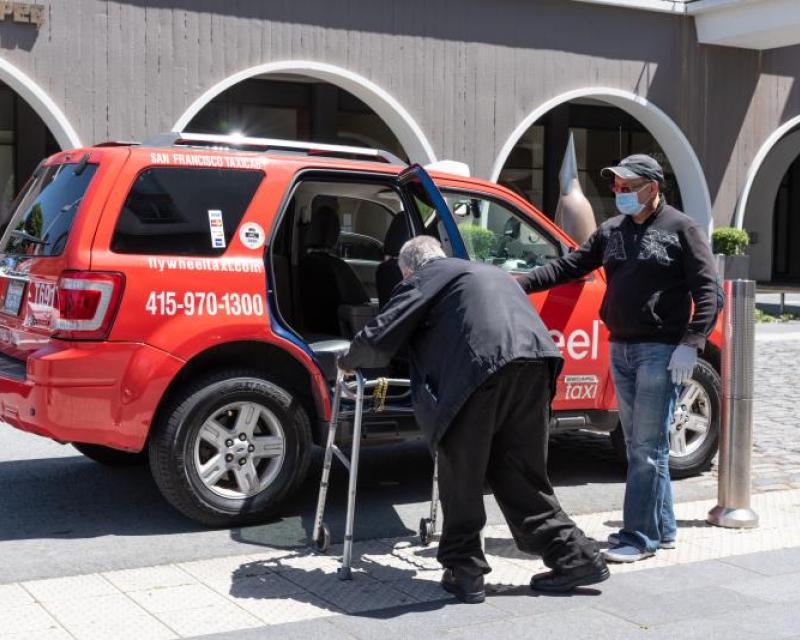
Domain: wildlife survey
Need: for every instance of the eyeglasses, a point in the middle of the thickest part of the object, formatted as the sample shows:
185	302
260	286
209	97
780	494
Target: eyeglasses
628	188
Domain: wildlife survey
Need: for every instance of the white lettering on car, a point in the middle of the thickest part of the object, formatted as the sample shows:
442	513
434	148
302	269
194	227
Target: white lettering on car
204	303
580	387
579	344
207	160
244	265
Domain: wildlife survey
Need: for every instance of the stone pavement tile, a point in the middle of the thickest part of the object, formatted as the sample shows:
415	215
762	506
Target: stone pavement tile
734	543
422	590
214	619
590	624
12	595
113	608
687	552
421	621
303	560
46	634
193	596
380	561
645	609
362	593
73	587
297	607
780	588
507	575
148	578
308	630
768	562
141	628
421	558
229	567
268	585
685	576
522	601
769	622
26	619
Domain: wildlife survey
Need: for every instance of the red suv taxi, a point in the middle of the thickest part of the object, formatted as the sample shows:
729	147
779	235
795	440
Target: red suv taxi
183	299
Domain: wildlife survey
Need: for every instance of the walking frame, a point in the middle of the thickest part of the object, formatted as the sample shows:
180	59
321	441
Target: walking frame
353	388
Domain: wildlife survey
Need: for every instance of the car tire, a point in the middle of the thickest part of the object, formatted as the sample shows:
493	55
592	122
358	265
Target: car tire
197	445
111	457
702	447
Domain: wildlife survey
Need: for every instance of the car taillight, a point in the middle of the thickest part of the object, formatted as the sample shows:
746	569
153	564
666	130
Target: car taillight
86	303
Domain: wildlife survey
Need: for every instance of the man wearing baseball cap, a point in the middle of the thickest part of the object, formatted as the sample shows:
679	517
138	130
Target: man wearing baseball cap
658	264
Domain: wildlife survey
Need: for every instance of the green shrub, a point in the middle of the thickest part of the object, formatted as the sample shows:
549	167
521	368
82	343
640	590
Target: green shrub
729	241
479	241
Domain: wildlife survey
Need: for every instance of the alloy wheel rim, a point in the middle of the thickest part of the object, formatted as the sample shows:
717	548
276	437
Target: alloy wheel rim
691	420
239	450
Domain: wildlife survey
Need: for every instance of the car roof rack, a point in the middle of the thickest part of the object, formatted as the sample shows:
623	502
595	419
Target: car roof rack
246	143
116	143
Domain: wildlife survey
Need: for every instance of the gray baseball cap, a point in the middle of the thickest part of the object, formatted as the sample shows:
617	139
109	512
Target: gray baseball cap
638	165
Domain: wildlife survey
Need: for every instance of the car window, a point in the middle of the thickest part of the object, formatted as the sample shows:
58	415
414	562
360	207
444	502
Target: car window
176	211
494	233
43	218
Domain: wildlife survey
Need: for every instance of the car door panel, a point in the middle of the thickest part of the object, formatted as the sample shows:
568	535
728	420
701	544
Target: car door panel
571	311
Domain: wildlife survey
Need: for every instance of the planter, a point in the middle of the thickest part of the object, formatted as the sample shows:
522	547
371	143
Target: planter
733	267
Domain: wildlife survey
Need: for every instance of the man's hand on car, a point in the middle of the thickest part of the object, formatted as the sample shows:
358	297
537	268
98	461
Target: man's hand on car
682	363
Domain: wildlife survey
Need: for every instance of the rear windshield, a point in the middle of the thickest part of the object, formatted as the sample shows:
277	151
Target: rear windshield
175	211
42	219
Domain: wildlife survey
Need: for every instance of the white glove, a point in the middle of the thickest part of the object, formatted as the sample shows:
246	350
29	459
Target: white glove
682	363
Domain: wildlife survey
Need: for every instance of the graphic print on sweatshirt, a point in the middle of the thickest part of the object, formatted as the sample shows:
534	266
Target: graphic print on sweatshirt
655	245
615	248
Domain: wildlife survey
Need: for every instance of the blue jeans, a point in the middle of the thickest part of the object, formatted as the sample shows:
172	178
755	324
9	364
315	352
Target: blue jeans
646	399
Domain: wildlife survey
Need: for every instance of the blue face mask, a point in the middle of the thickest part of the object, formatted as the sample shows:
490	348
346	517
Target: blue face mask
628	203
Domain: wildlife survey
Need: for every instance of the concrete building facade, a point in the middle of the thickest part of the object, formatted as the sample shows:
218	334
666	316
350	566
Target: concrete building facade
455	79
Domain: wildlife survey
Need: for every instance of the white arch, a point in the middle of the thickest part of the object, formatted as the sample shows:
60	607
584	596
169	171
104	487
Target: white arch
755	166
41	103
408	132
687	168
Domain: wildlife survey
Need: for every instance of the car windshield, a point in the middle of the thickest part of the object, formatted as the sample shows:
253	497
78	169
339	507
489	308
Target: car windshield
43	217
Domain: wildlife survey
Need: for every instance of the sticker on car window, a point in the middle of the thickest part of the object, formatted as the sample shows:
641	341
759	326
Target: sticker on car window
217	227
252	235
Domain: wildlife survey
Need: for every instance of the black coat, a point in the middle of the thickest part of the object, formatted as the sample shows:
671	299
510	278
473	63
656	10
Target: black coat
462	321
655	271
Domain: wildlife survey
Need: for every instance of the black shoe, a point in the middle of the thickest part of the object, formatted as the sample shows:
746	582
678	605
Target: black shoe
562	581
464	586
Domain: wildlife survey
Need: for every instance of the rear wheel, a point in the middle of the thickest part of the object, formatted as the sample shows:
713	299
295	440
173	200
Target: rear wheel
694	432
111	457
230	448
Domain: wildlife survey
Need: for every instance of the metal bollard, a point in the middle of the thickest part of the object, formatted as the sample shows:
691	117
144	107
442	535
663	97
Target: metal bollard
736	433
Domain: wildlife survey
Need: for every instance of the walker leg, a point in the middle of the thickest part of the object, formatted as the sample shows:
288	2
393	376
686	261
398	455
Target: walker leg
435	494
427	526
347	553
319	528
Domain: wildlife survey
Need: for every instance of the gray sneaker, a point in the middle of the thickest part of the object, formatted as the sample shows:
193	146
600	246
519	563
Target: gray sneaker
625	553
613	540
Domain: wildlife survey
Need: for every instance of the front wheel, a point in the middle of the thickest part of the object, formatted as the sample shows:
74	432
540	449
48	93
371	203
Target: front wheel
228	449
694	432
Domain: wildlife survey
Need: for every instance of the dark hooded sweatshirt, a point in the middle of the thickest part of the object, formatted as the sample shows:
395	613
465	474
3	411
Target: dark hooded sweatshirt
462	321
655	270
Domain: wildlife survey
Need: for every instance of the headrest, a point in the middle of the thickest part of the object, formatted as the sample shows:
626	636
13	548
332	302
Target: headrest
323	232
396	235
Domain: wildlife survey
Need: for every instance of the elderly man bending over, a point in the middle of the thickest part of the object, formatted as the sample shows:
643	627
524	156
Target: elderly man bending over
483	371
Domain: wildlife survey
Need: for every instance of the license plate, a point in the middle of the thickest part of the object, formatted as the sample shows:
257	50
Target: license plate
13	299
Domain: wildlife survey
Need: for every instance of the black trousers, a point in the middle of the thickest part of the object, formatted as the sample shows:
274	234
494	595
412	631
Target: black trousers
501	435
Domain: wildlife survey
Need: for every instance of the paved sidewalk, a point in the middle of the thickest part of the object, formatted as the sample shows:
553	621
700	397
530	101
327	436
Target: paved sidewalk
706	586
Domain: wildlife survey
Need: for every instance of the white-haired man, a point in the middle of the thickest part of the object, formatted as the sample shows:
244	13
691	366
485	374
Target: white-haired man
483	371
